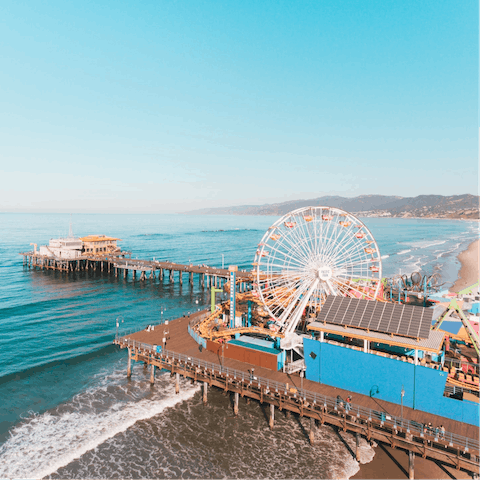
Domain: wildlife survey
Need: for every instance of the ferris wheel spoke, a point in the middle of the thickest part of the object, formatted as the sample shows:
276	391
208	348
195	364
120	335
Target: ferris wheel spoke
293	238
286	255
349	235
351	253
348	244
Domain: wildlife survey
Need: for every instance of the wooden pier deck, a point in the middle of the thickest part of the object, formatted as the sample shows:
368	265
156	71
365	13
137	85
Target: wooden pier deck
121	265
182	355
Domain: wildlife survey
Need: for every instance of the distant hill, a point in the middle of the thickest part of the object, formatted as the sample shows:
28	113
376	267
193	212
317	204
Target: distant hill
426	206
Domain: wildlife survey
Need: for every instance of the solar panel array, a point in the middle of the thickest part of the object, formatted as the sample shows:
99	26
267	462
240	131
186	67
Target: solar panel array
406	320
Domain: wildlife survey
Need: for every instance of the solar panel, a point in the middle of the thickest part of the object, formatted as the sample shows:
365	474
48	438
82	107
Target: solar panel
406	320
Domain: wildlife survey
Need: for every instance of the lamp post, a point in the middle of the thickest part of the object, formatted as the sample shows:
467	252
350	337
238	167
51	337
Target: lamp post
402	393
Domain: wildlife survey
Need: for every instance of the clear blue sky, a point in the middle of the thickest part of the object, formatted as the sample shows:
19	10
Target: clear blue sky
165	106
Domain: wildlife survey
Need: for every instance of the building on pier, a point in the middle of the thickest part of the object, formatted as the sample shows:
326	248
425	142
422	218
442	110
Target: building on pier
100	245
65	248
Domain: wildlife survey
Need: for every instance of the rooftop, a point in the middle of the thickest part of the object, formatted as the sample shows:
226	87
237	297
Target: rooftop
98	238
431	344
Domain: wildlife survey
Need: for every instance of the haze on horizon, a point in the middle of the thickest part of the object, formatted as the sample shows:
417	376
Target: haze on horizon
172	106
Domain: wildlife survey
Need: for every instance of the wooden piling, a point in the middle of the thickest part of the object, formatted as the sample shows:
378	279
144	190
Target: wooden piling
357	447
152	374
205	385
177	383
411	457
311	433
129	367
272	416
235	403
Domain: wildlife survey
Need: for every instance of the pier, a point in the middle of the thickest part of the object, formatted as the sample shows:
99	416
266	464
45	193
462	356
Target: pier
123	265
171	347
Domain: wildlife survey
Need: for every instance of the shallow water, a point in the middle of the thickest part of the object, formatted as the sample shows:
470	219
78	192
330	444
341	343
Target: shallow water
67	408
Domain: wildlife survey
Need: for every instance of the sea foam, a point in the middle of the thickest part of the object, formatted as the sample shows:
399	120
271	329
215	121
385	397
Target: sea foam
44	443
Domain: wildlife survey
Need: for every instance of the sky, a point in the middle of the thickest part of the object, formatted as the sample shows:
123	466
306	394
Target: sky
166	106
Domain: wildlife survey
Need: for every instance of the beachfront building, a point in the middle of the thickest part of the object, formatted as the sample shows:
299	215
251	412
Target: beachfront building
100	245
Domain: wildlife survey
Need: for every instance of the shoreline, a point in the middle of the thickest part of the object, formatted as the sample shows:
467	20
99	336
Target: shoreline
470	267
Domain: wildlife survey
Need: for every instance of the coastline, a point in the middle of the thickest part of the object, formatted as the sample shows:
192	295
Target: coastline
470	267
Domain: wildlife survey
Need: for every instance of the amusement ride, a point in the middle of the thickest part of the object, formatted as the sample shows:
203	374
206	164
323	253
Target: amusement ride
308	254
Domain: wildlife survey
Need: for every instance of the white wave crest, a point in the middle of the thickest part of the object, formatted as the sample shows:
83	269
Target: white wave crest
427	243
385	256
47	442
403	252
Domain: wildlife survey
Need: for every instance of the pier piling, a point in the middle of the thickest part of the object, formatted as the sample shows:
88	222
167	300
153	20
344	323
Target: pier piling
311	434
205	393
152	374
235	403
129	367
411	457
357	447
177	383
272	416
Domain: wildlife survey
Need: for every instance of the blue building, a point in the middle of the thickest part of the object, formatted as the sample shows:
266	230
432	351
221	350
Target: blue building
379	350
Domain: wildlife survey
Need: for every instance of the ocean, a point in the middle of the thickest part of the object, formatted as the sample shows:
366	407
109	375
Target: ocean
67	409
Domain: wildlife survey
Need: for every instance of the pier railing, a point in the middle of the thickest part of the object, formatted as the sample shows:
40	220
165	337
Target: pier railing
382	418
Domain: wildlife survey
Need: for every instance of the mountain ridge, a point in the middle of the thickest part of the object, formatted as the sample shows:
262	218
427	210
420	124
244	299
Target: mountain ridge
424	206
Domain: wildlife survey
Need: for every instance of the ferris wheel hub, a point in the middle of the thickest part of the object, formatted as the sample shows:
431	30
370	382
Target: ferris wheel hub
325	273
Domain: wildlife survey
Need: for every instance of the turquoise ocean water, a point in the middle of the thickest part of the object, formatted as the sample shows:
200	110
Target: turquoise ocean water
66	407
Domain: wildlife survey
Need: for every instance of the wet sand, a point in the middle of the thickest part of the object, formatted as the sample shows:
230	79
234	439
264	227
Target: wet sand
392	463
470	269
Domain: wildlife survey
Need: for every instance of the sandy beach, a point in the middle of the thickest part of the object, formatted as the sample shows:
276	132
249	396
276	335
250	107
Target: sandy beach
392	463
470	269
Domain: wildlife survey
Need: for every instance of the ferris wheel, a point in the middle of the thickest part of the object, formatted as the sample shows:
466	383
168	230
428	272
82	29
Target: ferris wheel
310	253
